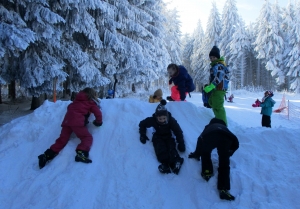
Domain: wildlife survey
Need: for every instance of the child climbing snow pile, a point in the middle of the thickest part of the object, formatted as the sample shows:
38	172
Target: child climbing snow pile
163	142
75	121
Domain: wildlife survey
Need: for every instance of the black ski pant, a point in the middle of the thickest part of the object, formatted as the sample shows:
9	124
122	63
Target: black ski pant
165	150
266	121
222	143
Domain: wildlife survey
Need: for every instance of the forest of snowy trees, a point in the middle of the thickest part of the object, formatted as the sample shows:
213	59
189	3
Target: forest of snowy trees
264	54
74	44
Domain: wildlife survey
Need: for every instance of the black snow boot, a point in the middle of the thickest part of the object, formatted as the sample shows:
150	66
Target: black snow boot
207	174
177	165
82	156
164	168
225	195
46	157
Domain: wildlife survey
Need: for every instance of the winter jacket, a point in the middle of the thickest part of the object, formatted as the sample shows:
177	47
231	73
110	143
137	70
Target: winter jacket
79	110
183	81
219	75
267	106
216	129
162	131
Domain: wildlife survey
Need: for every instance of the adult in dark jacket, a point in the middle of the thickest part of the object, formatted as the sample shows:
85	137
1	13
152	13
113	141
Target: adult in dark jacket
181	79
163	142
217	135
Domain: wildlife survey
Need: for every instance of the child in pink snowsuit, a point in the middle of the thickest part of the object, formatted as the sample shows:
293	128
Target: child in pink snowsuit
75	121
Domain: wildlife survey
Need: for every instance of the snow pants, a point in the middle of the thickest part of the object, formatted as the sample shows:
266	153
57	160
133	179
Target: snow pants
81	132
165	149
266	121
223	144
216	101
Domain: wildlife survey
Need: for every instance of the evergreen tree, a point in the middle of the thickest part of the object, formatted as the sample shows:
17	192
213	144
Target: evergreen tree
269	43
294	55
239	46
173	35
230	21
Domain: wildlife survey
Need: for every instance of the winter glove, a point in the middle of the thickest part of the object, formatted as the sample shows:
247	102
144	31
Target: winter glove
209	88
181	147
97	124
193	155
143	139
170	98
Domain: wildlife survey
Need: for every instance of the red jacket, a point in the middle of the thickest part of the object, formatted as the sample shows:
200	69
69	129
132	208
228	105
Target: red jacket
79	108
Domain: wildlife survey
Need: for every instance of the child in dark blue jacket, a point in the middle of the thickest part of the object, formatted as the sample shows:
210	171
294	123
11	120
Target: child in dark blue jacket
181	79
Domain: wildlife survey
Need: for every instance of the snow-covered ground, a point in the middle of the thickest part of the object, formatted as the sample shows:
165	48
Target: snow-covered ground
124	174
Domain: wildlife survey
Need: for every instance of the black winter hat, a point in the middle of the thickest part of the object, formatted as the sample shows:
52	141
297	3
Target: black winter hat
161	109
215	51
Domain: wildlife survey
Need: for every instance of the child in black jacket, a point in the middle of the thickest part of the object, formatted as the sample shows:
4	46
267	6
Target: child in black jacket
163	142
217	135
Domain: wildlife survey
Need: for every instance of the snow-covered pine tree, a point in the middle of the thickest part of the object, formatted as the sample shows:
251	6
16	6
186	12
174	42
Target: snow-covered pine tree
15	37
269	43
239	46
81	42
294	55
288	17
173	35
211	38
187	51
230	21
197	56
134	48
39	64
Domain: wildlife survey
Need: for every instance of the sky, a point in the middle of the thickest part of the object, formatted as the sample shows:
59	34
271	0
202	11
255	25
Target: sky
190	11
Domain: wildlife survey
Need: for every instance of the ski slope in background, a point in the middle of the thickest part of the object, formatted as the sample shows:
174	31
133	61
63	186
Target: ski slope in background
124	174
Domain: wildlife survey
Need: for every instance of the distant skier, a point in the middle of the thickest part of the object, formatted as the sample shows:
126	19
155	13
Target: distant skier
163	142
219	79
180	77
216	135
75	121
175	94
205	97
256	104
267	103
156	97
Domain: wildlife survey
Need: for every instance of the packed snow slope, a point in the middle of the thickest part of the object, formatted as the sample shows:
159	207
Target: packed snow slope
124	174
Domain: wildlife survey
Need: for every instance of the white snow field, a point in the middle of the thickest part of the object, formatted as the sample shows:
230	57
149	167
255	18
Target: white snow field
264	170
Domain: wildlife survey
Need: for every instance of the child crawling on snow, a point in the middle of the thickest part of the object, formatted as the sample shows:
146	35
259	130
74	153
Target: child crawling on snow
163	142
75	121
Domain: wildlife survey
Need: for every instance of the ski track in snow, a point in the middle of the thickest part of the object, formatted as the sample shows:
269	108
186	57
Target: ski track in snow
124	174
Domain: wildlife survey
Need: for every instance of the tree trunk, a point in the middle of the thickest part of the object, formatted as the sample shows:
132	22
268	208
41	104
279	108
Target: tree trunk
12	90
35	103
258	73
45	96
0	94
73	95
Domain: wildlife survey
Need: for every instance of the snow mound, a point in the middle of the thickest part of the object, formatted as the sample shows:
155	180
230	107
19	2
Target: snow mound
124	174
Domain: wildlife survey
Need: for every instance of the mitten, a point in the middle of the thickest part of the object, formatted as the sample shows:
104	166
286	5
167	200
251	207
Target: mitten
143	138
169	98
181	146
209	88
97	123
193	155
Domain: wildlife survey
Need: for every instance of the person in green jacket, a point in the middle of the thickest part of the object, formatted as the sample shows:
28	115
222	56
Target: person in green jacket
219	79
266	108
